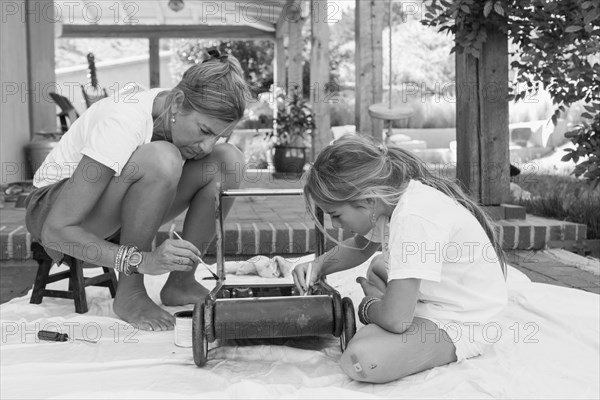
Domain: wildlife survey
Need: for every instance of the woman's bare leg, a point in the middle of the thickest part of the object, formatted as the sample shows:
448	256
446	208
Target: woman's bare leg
137	202
196	190
375	355
154	189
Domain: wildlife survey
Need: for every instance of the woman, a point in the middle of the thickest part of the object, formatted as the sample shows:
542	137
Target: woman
132	163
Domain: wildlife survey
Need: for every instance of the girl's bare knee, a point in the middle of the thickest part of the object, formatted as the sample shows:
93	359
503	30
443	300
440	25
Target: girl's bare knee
356	361
361	366
351	366
377	272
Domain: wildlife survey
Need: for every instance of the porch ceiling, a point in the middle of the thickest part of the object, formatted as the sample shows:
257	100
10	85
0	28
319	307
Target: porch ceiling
97	18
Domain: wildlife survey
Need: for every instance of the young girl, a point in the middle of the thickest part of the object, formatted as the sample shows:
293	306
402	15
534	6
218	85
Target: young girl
431	297
131	163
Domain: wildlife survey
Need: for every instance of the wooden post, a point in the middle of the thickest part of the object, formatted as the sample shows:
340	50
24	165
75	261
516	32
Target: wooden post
154	48
369	64
319	76
280	63
482	133
282	30
40	51
14	113
295	45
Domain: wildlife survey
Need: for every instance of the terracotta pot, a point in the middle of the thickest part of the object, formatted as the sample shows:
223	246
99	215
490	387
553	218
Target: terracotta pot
289	159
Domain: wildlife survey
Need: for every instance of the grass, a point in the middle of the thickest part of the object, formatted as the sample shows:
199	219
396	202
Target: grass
563	198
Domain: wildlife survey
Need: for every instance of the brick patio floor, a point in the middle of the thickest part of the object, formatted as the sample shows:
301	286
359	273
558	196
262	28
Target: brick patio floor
282	224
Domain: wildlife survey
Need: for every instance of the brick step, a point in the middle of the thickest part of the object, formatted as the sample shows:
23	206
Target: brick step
247	239
535	233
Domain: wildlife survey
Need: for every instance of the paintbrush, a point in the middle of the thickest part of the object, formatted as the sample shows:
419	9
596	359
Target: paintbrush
308	276
201	261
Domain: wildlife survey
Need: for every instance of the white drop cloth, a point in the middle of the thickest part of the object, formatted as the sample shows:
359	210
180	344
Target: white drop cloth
549	348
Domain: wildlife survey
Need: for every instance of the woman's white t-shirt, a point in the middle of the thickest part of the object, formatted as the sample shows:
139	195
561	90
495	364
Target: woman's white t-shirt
108	132
435	239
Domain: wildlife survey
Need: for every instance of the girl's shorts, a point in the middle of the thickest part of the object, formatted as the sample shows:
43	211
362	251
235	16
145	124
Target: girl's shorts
469	339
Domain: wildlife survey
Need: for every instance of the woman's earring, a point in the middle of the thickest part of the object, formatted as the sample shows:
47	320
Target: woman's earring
373	220
173	118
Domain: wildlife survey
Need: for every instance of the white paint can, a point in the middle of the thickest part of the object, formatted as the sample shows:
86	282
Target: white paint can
183	328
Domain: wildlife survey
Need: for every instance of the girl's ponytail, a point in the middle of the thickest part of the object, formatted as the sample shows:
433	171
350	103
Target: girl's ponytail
418	171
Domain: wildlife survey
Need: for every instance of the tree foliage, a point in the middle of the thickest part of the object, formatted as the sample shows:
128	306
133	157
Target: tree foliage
256	58
419	54
557	47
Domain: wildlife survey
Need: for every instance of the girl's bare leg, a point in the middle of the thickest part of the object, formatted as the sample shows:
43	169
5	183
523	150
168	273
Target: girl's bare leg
377	356
196	190
377	273
137	202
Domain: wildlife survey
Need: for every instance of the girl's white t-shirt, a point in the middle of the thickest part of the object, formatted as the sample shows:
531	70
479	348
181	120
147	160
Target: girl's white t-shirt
433	238
108	132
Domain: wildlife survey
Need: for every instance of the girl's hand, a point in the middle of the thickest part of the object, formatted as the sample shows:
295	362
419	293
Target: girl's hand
369	288
299	275
171	255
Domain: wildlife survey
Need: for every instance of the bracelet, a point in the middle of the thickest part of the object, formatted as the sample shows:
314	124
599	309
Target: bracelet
119	258
125	261
363	309
131	267
122	258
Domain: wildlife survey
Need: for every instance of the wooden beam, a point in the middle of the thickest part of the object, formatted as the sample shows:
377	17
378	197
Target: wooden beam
482	132
295	45
166	31
319	76
369	64
42	80
154	62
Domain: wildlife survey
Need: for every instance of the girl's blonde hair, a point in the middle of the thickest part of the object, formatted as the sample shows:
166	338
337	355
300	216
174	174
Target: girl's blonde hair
356	168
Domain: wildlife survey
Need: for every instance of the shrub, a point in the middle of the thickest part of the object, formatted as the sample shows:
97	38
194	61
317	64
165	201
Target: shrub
564	198
255	153
342	111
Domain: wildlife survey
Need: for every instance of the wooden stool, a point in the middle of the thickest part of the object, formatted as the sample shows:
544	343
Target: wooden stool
77	282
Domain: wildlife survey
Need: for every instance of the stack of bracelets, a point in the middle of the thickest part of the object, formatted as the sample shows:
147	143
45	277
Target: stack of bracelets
363	309
122	259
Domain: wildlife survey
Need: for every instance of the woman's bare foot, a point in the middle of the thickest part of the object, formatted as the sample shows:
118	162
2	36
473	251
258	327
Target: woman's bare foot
135	307
179	292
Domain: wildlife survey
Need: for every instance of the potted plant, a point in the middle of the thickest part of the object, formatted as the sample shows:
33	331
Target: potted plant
293	132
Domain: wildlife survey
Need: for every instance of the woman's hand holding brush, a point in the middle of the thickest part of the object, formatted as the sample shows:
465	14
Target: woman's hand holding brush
198	259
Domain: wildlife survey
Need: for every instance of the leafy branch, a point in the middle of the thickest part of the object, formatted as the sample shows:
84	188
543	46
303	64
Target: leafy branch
557	48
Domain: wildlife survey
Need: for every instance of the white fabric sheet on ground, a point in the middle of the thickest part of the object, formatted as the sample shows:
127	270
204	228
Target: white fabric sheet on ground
548	347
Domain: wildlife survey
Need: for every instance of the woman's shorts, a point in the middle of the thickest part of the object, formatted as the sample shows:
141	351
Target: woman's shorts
38	205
